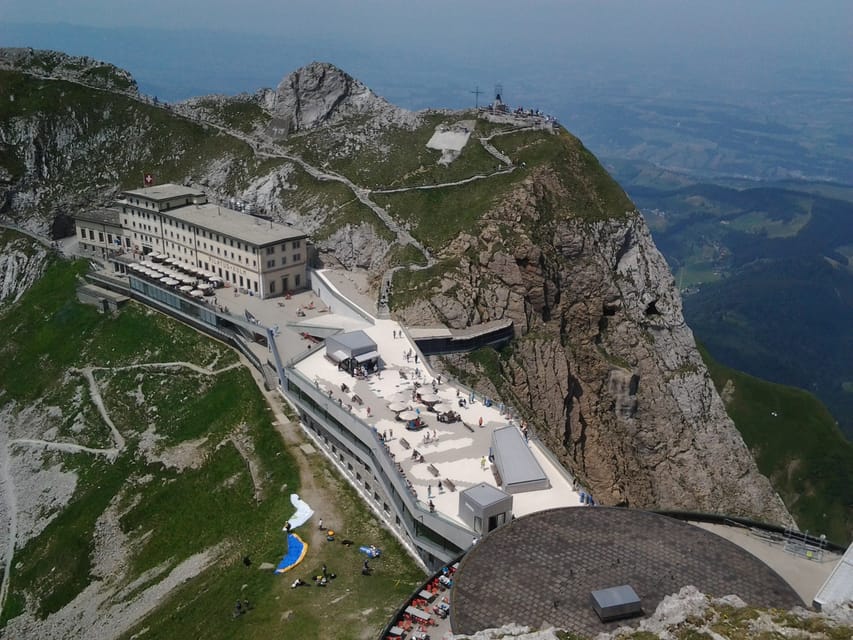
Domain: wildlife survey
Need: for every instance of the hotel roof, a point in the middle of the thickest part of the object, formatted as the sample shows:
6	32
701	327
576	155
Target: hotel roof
101	215
163	192
234	224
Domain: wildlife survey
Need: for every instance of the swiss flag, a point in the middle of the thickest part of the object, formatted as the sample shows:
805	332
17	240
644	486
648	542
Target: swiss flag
149	179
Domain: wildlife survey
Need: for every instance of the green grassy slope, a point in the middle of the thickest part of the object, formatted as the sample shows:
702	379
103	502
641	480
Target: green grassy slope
173	514
435	216
797	445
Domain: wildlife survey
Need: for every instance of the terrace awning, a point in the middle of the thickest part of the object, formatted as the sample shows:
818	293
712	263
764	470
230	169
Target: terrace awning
364	357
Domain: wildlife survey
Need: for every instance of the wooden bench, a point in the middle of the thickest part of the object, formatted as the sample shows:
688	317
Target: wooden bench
405	443
433	470
449	484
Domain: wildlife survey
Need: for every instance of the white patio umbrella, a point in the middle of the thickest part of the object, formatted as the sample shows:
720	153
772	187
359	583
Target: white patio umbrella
396	407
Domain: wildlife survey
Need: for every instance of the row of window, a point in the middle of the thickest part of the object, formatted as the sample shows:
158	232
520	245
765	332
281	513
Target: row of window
294	244
271	262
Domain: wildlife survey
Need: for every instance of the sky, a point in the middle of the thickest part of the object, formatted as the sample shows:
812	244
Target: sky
756	31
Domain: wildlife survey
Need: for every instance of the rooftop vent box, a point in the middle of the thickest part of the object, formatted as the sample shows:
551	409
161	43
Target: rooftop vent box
615	603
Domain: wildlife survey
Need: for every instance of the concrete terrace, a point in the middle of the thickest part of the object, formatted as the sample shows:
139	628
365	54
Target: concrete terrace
456	452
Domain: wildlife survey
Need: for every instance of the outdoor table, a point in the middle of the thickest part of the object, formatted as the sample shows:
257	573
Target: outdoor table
417	613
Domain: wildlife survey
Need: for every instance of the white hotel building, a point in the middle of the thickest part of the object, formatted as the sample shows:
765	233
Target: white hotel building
259	256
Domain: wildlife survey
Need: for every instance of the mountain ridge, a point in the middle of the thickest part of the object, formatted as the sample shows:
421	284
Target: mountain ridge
550	241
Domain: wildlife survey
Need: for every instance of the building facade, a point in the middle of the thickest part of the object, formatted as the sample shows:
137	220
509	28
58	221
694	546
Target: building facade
256	255
100	233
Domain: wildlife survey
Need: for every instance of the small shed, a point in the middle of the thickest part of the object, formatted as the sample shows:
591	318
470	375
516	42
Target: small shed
484	507
352	349
105	300
518	469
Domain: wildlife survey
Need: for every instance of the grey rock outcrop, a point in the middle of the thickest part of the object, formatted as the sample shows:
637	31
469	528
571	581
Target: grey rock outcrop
356	247
22	263
320	93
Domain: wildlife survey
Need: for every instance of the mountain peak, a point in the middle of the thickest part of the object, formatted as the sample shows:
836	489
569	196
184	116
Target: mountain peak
321	93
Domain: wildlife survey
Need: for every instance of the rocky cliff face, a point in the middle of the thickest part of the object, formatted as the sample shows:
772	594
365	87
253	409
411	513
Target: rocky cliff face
603	364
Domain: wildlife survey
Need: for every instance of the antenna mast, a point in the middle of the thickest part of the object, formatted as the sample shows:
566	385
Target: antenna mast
477	93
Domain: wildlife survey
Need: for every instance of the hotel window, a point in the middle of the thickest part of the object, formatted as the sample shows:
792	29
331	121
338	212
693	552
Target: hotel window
100	236
272	286
297	257
83	233
283	260
270	263
295	244
91	235
270	251
296	280
284	246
